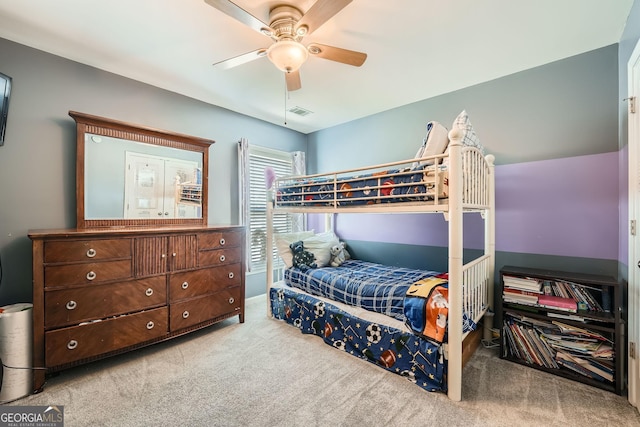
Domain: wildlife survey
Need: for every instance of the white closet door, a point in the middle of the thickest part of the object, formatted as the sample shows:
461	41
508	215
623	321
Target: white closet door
634	239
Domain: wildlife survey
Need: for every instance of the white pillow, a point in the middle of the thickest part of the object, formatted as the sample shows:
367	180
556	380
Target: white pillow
435	142
320	245
283	240
469	137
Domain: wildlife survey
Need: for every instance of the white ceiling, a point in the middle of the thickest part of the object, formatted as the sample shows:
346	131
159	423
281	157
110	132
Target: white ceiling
416	49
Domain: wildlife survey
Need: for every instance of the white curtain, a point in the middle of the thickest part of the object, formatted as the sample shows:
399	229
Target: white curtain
243	196
299	168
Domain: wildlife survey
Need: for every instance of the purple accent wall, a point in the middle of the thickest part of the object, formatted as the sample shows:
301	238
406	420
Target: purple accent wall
412	229
623	202
566	207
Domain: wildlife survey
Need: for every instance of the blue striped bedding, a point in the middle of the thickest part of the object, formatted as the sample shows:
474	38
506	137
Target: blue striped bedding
374	287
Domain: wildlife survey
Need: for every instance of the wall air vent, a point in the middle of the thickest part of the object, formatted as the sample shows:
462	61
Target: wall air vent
299	111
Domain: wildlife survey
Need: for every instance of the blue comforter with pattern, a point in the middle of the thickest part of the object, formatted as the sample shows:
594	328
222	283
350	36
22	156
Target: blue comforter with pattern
374	287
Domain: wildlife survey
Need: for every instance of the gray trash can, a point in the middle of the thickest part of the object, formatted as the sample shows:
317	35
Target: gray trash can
16	344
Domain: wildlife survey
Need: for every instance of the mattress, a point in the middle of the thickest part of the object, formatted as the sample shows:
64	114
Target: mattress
374	287
386	290
388	186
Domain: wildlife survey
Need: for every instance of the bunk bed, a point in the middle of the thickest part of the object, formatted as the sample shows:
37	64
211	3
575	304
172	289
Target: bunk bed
458	181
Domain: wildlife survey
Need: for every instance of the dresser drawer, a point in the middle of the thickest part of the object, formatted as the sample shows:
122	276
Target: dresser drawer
86	250
72	306
86	273
220	257
223	239
198	310
201	282
80	342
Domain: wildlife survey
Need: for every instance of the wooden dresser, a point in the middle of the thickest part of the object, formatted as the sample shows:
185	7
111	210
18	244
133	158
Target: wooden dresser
102	292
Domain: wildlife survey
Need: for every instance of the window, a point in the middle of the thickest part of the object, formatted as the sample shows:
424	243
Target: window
283	165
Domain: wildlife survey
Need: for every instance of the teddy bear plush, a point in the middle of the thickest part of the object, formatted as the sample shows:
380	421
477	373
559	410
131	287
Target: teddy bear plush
337	255
346	252
302	258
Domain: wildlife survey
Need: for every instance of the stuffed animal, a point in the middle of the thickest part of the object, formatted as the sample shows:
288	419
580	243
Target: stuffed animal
337	255
346	252
302	258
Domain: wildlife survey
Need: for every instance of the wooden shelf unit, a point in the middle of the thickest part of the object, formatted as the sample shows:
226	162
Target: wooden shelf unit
610	324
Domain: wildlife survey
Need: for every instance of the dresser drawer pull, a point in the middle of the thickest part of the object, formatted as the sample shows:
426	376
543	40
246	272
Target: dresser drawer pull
71	305
185	314
72	344
222	258
185	285
231	300
150	324
231	275
91	253
222	241
91	275
174	254
163	256
148	292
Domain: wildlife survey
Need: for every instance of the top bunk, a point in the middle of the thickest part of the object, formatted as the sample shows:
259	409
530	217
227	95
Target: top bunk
449	172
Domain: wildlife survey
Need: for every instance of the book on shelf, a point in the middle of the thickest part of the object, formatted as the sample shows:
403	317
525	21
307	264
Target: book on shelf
519	296
580	293
523	283
543	349
578	368
567	316
558	303
585	366
571	330
514	291
575	346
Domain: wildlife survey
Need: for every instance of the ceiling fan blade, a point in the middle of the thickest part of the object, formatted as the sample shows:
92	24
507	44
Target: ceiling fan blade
238	13
240	59
349	57
321	12
293	80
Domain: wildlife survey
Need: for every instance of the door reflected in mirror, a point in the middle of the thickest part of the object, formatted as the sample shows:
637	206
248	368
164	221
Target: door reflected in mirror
128	179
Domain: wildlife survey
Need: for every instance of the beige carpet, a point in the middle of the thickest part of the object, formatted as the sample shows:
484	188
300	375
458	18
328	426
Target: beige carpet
266	373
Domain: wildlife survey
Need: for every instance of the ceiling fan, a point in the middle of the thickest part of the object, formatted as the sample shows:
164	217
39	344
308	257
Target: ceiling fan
287	27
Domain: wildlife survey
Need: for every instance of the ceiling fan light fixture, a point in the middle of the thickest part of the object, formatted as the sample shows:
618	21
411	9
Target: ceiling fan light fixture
287	55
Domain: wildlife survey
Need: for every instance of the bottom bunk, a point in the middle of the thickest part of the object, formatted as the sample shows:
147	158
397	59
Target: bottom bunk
376	321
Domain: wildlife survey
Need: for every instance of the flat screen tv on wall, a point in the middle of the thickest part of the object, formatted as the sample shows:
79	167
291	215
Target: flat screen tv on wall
5	93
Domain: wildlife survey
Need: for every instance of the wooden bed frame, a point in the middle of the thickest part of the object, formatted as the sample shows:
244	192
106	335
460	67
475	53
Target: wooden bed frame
471	188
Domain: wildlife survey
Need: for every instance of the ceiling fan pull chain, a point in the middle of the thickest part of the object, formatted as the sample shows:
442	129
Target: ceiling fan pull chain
286	95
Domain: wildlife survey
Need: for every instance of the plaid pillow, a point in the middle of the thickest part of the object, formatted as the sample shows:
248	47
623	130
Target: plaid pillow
470	138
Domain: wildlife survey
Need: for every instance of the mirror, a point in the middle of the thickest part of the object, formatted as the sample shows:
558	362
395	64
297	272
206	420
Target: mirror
129	175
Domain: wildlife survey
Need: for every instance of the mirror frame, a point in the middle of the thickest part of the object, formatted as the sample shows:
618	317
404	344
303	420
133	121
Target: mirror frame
95	125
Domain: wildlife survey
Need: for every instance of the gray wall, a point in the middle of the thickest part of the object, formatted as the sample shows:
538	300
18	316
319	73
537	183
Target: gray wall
563	109
37	161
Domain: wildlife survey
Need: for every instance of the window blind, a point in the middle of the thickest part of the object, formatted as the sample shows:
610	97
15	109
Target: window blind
281	162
